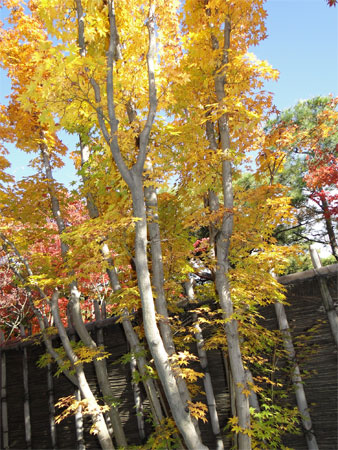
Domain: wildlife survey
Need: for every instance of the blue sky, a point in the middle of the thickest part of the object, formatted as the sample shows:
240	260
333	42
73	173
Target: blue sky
302	44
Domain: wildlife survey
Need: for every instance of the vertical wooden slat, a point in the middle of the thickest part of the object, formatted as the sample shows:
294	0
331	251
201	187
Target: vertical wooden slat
26	407
51	406
326	296
4	412
232	394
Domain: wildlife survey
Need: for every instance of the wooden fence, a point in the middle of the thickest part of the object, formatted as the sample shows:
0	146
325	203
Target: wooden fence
39	391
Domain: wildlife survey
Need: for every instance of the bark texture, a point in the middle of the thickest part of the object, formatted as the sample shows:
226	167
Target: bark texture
330	228
130	334
100	366
133	178
86	393
326	296
209	391
296	378
179	410
222	243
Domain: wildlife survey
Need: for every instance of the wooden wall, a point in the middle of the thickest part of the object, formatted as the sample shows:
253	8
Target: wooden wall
120	378
321	388
304	311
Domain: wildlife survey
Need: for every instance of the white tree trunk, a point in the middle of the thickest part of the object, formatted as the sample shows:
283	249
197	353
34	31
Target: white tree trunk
79	423
326	296
222	243
100	366
137	400
209	391
26	406
86	393
158	283
296	377
131	336
179	410
133	178
51	407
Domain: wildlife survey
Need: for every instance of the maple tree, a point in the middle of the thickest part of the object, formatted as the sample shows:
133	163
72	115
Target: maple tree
168	105
311	169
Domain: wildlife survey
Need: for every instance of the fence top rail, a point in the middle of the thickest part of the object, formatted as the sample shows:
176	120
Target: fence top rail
294	278
299	277
37	338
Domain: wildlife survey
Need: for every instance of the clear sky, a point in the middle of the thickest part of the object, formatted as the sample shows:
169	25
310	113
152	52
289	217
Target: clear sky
302	44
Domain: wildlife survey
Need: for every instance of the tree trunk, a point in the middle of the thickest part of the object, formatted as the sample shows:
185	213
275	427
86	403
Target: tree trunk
131	336
296	377
158	283
253	398
51	407
179	410
86	393
133	178
157	268
137	400
222	244
232	394
209	391
26	406
100	366
326	296
329	228
42	320
79	423
78	417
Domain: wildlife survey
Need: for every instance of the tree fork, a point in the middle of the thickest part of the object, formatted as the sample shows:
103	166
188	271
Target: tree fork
129	331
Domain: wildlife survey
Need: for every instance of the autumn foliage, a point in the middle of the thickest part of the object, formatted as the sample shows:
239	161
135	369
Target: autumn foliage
169	115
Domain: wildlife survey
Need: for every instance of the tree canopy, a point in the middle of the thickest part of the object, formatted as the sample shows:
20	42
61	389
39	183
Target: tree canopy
170	111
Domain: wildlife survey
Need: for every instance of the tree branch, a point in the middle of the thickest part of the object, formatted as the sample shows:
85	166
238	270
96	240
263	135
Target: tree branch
144	136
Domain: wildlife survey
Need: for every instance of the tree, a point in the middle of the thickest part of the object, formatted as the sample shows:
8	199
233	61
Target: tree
310	169
159	94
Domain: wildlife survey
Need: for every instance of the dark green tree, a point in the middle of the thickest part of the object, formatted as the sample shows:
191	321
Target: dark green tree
310	171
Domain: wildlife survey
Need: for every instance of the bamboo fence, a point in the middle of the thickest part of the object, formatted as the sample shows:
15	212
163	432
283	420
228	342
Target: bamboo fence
28	393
